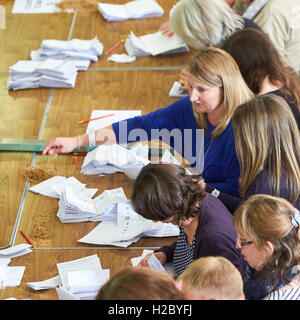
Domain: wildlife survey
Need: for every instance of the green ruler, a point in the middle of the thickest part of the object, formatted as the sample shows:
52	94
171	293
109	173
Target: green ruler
39	145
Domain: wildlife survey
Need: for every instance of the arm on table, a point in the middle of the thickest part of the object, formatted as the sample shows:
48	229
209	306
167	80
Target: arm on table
68	144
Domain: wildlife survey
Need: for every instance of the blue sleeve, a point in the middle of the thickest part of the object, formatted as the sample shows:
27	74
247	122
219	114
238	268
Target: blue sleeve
139	128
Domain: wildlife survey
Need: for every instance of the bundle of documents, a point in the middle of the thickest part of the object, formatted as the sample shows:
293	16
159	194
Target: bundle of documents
78	279
75	207
154	44
55	186
81	52
109	159
124	227
131	10
49	73
83	277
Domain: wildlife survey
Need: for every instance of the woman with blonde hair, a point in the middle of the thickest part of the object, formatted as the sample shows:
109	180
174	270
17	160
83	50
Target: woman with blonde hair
138	283
267	143
216	88
269	237
205	23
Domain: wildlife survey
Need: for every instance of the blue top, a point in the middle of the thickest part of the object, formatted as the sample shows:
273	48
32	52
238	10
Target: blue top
221	167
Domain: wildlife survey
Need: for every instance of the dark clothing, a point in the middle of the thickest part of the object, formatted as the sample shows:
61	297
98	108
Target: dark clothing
248	23
261	185
293	107
214	236
256	288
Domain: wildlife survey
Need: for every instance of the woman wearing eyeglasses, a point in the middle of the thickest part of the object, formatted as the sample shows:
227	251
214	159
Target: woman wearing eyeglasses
269	238
267	143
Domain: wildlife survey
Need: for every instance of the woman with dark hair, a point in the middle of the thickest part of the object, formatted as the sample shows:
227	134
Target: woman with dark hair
166	193
262	67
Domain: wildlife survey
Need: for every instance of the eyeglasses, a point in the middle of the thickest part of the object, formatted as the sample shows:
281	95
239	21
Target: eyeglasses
242	243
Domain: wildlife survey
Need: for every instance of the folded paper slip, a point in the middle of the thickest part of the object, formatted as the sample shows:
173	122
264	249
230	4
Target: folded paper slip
154	44
131	10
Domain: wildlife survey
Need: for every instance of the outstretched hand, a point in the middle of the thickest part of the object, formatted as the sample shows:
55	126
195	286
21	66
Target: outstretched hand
60	145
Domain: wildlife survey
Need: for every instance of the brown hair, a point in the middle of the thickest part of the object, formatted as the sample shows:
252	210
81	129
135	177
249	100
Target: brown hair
139	283
215	67
257	58
211	277
163	190
267	136
263	218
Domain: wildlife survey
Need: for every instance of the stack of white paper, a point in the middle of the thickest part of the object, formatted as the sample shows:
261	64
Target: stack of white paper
78	279
55	186
131	10
115	158
125	227
154	44
80	52
83	277
74	207
49	73
15	251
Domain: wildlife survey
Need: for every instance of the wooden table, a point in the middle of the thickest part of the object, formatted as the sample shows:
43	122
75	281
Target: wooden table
45	113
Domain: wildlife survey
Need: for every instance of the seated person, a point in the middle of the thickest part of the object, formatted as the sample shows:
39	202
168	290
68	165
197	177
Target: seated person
268	235
216	88
212	278
167	193
138	283
267	143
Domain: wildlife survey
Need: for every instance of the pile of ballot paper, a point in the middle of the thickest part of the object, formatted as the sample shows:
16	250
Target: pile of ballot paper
49	73
81	52
74	207
55	65
55	186
131	10
11	276
121	226
78	279
154	44
109	159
